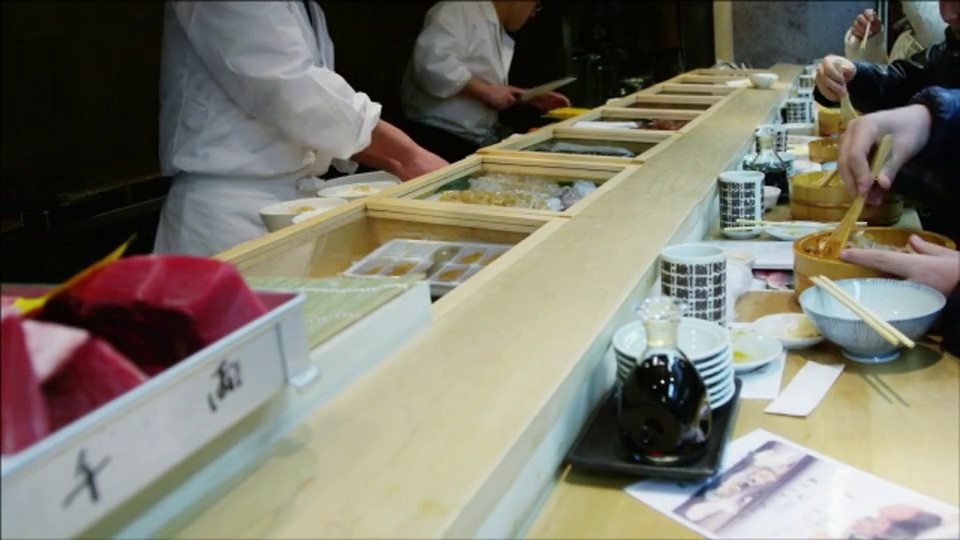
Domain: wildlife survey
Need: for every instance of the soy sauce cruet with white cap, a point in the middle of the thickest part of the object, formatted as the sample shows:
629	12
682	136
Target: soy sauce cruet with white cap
663	409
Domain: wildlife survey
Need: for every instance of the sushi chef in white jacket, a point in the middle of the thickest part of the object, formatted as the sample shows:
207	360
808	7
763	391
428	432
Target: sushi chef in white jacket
456	80
251	112
926	27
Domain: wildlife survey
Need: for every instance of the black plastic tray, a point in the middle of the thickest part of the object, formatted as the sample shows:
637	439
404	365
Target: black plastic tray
598	446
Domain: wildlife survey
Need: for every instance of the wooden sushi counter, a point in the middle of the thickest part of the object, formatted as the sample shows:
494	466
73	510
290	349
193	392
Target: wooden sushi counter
462	431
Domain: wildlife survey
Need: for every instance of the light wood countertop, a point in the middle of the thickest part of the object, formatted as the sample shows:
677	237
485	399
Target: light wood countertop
429	443
897	421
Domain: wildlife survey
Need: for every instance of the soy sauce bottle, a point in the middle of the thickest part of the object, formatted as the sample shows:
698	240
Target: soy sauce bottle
773	168
664	414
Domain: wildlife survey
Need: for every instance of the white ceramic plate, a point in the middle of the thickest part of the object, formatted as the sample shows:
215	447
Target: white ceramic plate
355	191
722	400
791	231
793	330
752	350
279	215
697	339
723	362
719	381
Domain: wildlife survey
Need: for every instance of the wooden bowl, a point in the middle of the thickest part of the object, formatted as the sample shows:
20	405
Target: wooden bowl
823	150
830	121
829	204
807	265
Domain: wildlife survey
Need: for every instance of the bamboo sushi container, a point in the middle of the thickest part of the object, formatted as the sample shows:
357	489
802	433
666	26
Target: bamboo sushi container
829	204
823	150
831	122
806	264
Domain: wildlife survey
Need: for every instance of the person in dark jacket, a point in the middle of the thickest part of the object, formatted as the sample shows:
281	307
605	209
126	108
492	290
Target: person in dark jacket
878	87
926	136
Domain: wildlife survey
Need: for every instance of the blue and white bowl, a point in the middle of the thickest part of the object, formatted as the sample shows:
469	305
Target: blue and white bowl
909	307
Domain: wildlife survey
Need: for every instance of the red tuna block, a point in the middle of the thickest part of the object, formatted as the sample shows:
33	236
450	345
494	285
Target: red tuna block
79	372
23	413
157	310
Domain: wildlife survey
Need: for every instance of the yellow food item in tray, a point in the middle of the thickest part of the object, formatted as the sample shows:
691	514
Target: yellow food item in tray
451	275
492	198
402	269
301	209
472	258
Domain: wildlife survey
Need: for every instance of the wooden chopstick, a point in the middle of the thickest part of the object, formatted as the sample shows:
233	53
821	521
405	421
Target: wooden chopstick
826	178
760	222
863	42
882	327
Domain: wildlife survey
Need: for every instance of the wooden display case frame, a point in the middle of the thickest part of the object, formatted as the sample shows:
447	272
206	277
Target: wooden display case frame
328	244
734	73
671	102
407	199
699	89
693	117
515	147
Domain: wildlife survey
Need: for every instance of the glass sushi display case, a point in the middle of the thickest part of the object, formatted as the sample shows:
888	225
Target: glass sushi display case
378	240
557	145
665	101
635	120
491	184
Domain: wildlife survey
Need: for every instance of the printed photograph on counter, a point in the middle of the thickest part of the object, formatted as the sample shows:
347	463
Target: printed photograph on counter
773	488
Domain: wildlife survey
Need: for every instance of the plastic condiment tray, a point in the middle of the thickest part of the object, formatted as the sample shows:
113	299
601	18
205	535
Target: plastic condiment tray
402	257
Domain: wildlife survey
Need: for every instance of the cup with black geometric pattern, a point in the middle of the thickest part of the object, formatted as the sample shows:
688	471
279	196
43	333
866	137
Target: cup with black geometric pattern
741	198
696	274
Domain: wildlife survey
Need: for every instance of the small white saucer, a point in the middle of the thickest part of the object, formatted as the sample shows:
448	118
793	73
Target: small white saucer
752	350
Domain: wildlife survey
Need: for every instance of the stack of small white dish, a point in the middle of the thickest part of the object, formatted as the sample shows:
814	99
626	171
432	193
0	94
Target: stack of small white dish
704	343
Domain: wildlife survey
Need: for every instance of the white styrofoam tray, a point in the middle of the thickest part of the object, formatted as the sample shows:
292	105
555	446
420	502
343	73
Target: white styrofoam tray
69	480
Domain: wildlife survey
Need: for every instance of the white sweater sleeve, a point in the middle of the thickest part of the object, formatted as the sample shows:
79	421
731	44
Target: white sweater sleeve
259	56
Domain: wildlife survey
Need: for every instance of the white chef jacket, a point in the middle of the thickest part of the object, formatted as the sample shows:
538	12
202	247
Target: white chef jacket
249	103
927	24
458	40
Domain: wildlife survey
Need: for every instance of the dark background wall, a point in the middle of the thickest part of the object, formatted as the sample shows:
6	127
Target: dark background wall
799	32
80	97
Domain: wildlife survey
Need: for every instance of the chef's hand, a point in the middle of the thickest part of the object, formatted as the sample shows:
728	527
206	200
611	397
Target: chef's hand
550	101
832	76
419	164
932	265
910	128
866	22
499	96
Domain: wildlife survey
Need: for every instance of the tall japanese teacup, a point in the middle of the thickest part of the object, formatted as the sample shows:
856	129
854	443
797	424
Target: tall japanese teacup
696	274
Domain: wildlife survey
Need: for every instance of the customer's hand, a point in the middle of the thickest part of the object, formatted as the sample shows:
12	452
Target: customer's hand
866	23
499	96
418	164
932	265
832	76
910	128
550	101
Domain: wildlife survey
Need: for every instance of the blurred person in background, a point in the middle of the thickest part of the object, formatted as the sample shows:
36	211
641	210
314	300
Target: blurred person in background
456	82
924	28
251	112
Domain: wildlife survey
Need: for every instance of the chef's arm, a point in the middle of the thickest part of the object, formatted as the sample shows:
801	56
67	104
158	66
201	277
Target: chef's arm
257	53
389	150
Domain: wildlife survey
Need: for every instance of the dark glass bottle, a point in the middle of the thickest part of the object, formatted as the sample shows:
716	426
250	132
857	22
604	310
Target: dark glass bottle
773	168
663	410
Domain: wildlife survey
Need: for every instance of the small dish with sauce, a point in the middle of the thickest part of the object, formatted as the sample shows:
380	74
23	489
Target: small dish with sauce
752	350
795	331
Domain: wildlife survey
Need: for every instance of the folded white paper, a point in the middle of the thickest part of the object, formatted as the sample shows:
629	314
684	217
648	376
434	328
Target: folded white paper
806	390
763	383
